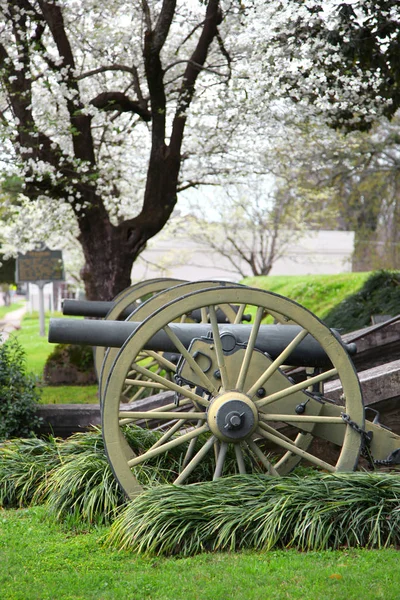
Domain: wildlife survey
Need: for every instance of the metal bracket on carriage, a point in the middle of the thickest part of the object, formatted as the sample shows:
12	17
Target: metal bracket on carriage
376	418
203	351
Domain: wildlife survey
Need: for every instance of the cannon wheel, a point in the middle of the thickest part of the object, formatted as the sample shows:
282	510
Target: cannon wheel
289	461
131	295
231	416
143	311
150	306
148	283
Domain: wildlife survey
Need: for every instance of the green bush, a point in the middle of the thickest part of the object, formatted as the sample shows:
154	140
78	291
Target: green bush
77	355
70	364
380	295
18	393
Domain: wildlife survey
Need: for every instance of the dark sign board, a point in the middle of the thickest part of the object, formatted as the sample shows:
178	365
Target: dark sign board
7	270
40	265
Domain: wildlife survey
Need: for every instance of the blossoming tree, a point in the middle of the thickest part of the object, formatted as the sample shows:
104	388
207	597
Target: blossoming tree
95	102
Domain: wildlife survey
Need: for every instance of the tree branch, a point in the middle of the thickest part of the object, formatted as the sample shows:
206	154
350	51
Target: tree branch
118	101
193	68
115	67
163	24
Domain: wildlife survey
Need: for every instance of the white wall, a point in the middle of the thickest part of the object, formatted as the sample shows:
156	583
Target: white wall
322	252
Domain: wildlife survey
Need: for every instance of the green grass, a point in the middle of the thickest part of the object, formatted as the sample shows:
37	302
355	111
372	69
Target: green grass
37	348
318	293
40	561
4	310
69	394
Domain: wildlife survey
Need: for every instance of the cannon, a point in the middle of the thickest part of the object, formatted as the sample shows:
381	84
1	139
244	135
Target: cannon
228	388
129	300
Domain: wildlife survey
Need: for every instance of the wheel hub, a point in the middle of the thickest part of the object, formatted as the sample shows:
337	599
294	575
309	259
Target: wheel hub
232	416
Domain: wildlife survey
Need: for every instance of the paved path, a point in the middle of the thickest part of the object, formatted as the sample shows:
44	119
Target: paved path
11	322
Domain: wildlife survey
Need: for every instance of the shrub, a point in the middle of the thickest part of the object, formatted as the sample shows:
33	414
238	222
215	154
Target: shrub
18	393
380	295
70	364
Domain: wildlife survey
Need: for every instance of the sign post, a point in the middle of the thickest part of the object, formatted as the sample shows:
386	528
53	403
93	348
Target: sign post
40	267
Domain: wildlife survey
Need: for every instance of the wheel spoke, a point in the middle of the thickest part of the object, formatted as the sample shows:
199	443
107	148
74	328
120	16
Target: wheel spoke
292	389
168	416
216	450
218	348
249	349
143	383
239	314
168	434
267	427
293	448
195	460
302	441
277	362
240	459
171	431
220	460
261	456
171	385
161	360
136	395
190	360
204	315
301	418
172	444
190	449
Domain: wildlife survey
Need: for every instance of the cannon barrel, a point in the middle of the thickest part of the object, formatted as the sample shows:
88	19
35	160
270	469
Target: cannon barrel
272	339
92	308
100	308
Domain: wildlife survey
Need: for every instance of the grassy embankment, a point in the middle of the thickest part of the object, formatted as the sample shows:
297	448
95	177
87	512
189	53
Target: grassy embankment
40	561
318	293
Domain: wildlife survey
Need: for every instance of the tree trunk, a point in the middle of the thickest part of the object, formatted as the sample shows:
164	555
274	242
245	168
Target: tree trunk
108	263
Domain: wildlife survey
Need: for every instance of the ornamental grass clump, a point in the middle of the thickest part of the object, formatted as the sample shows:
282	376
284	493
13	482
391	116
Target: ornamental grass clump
82	488
73	476
258	512
25	465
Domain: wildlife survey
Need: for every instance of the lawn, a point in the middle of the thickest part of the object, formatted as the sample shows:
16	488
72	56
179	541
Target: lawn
69	394
40	561
37	350
4	310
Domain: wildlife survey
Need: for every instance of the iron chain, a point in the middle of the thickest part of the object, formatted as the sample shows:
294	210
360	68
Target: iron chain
366	444
365	439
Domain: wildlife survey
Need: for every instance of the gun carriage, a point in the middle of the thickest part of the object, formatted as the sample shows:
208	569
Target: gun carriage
227	358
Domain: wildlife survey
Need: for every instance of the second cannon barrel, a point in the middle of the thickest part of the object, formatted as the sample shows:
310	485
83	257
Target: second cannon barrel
271	339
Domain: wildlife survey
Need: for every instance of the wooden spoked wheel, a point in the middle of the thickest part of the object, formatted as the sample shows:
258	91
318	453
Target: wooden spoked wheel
135	294
137	385
229	397
158	361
